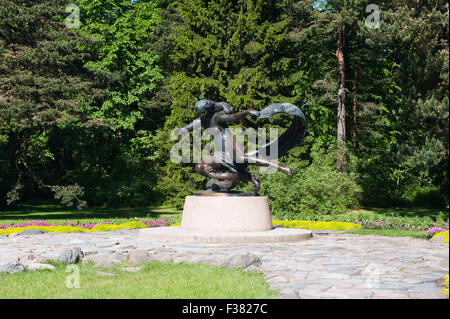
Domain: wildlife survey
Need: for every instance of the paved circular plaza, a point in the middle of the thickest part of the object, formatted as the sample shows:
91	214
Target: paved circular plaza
331	265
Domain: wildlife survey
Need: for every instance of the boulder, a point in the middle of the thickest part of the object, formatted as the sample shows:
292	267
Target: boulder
39	266
100	260
242	261
12	267
71	255
136	256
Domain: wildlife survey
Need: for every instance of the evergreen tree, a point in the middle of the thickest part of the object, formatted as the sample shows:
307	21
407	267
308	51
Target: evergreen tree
235	51
44	85
404	114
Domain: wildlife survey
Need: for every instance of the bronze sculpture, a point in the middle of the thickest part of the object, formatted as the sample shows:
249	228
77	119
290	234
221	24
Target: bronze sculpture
231	157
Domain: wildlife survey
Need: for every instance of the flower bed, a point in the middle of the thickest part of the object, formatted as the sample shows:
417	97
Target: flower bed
429	228
444	234
69	227
316	225
310	225
433	231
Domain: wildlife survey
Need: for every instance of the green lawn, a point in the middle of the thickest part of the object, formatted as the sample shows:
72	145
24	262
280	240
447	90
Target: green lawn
410	212
418	217
55	214
156	280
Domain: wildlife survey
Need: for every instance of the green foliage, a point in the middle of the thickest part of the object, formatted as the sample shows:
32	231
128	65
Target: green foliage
90	110
404	109
44	87
314	190
234	51
122	30
77	109
66	194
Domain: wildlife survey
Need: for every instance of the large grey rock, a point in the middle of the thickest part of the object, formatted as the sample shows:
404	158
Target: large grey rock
12	267
39	266
27	258
288	293
242	261
136	256
31	232
71	255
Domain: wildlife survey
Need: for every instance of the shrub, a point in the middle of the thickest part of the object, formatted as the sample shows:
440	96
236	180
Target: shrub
317	189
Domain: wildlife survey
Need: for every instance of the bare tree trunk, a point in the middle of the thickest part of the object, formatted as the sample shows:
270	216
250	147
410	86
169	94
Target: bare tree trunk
66	156
341	97
355	129
355	81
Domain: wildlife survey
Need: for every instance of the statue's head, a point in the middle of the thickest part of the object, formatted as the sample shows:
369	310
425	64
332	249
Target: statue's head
203	107
209	107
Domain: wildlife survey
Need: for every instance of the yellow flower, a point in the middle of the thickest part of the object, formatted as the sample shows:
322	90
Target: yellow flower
104	227
133	224
444	233
45	229
445	284
111	227
316	225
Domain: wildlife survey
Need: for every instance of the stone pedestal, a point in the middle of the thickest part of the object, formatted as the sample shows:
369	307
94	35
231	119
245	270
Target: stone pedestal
226	214
212	217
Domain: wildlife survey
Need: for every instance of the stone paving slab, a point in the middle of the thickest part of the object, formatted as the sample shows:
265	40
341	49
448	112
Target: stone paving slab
332	266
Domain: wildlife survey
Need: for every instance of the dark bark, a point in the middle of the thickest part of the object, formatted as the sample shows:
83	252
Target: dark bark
355	81
355	128
341	97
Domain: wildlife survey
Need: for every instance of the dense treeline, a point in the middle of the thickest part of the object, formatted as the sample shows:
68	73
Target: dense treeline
89	95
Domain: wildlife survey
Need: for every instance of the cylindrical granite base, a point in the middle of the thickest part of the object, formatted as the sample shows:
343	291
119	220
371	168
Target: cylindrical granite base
177	234
220	218
226	214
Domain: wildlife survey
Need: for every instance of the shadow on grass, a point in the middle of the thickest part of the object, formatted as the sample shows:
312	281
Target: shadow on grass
48	211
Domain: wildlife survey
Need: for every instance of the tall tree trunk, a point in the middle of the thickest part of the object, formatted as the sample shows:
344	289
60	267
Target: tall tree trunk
341	97
355	81
66	156
355	128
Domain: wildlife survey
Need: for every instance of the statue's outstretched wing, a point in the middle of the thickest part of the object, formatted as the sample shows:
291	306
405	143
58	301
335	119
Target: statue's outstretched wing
289	139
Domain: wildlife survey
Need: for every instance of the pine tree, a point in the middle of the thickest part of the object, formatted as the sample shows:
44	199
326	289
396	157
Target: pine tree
403	100
44	85
235	51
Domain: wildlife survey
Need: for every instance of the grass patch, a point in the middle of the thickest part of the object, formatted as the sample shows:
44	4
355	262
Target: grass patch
155	281
411	212
387	232
402	219
55	214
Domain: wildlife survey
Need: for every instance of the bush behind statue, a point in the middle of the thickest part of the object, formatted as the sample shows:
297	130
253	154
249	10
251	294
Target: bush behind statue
317	189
